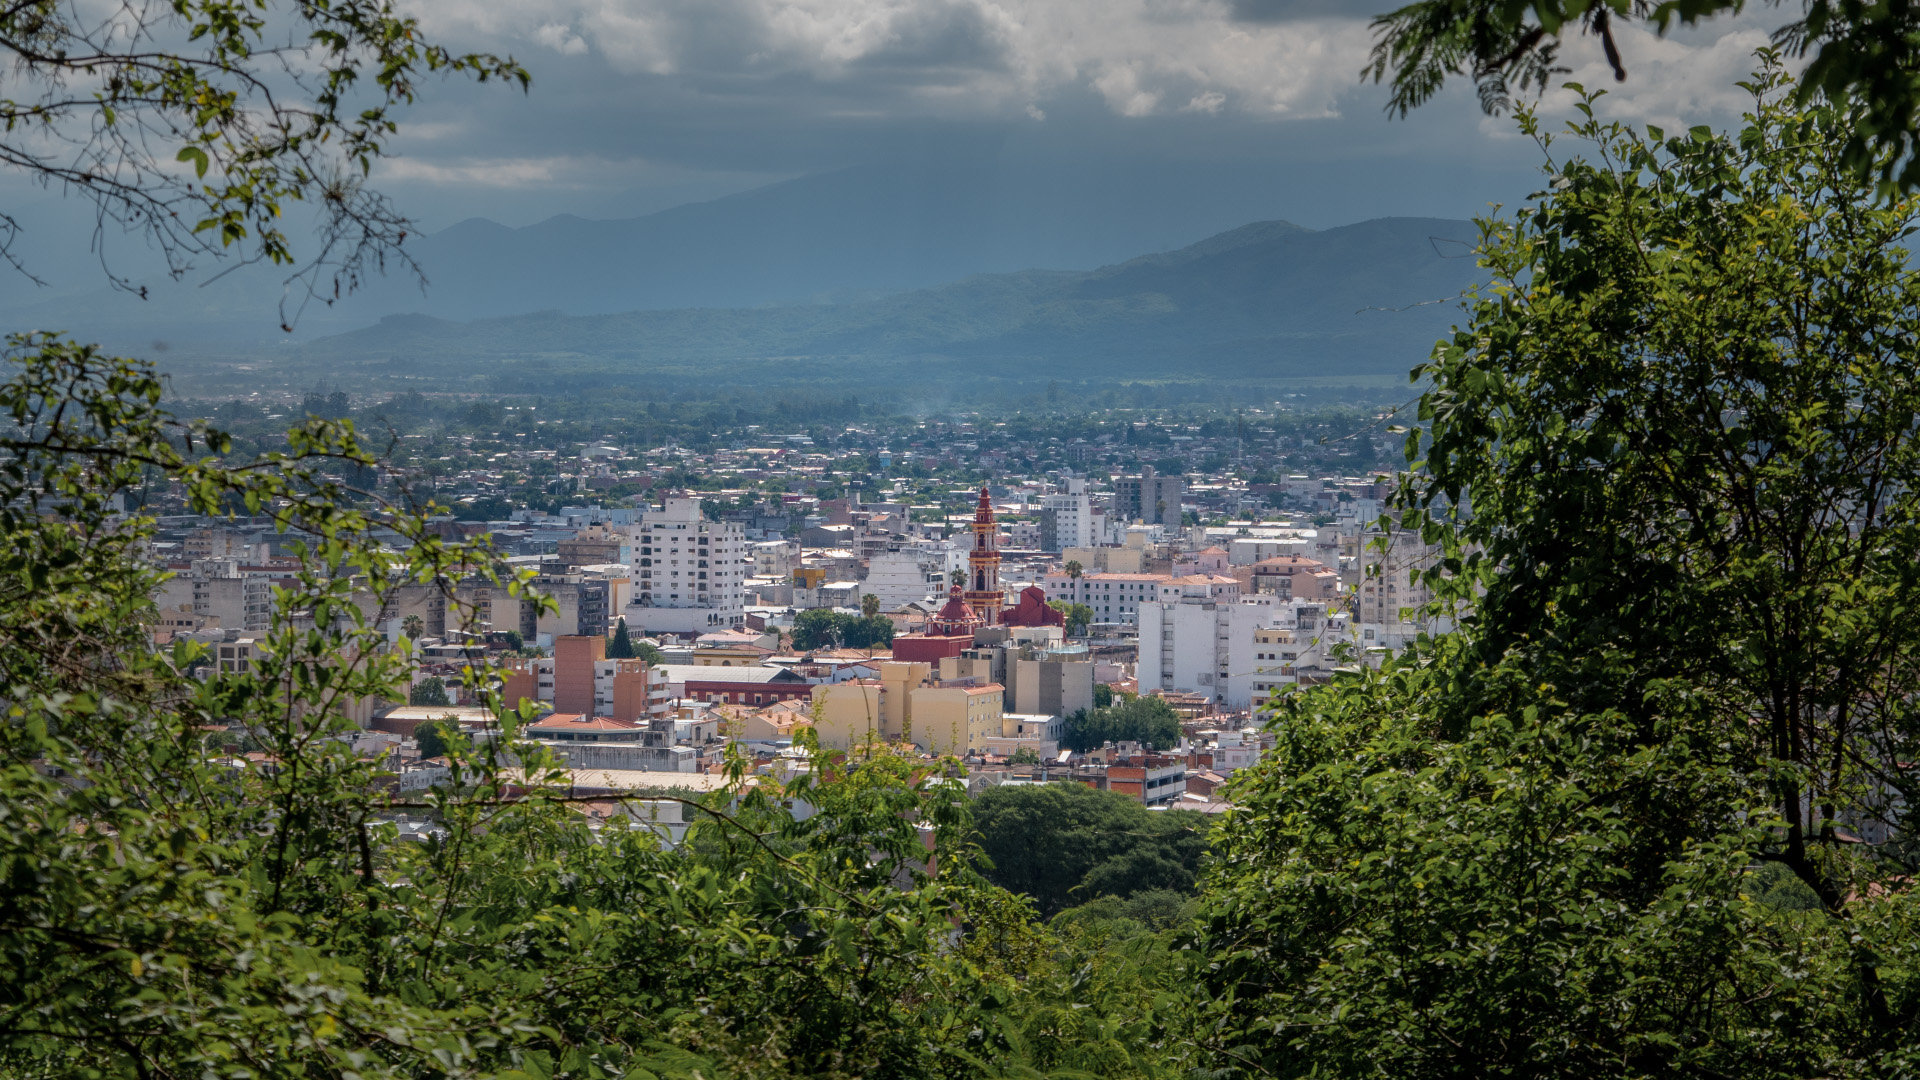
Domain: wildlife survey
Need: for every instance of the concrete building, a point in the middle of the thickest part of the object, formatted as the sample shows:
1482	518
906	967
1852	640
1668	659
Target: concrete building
1291	576
1388	598
1292	652
1149	498
906	704
692	572
627	690
583	741
913	571
1201	641
595	544
1114	598
581	609
955	719
775	558
222	591
573	660
1066	518
1106	560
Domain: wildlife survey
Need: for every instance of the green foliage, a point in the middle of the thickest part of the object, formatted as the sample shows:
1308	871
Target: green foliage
431	738
1148	720
825	628
206	84
645	649
170	914
1863	53
621	647
1077	616
1148	911
429	691
1025	755
1065	843
1102	695
815	628
1684	414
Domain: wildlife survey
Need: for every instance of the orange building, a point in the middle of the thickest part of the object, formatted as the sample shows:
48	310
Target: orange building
573	658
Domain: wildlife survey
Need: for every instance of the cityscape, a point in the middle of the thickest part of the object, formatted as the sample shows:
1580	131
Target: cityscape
959	540
948	568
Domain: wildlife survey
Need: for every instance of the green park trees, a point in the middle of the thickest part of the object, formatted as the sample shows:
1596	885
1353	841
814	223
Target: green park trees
825	628
1130	718
1066	844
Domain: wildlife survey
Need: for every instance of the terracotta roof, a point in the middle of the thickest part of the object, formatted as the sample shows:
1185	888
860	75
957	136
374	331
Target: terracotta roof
582	722
1289	562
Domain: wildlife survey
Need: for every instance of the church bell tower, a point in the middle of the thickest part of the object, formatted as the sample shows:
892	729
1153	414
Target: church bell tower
984	594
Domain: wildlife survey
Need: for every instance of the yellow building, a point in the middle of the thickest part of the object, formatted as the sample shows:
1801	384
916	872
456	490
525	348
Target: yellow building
899	706
956	719
848	713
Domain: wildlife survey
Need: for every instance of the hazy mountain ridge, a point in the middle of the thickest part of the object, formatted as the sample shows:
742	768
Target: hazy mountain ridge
1264	300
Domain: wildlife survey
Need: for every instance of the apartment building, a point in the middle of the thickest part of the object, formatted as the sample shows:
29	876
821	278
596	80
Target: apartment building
692	572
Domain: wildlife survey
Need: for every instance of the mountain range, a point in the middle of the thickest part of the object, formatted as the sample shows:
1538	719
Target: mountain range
1266	300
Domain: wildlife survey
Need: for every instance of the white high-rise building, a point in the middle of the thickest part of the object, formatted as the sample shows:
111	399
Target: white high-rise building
691	574
1203	642
1066	518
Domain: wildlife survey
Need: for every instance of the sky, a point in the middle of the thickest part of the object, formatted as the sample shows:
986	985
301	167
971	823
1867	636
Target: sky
1156	122
638	105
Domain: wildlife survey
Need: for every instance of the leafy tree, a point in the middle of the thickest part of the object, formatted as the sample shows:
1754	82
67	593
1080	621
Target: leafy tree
815	628
645	649
1065	843
872	632
1148	720
216	89
414	627
825	945
1123	917
869	605
824	628
428	691
1865	53
431	737
1073	569
1684	415
1102	695
165	915
1024	755
621	648
513	639
1077	616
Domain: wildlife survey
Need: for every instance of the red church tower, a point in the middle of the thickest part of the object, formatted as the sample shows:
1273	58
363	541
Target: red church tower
985	596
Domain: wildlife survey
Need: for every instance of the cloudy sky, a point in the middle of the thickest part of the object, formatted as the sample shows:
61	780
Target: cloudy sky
641	104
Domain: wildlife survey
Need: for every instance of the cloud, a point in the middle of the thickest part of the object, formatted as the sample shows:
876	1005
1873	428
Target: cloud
487	172
639	104
1673	82
981	58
